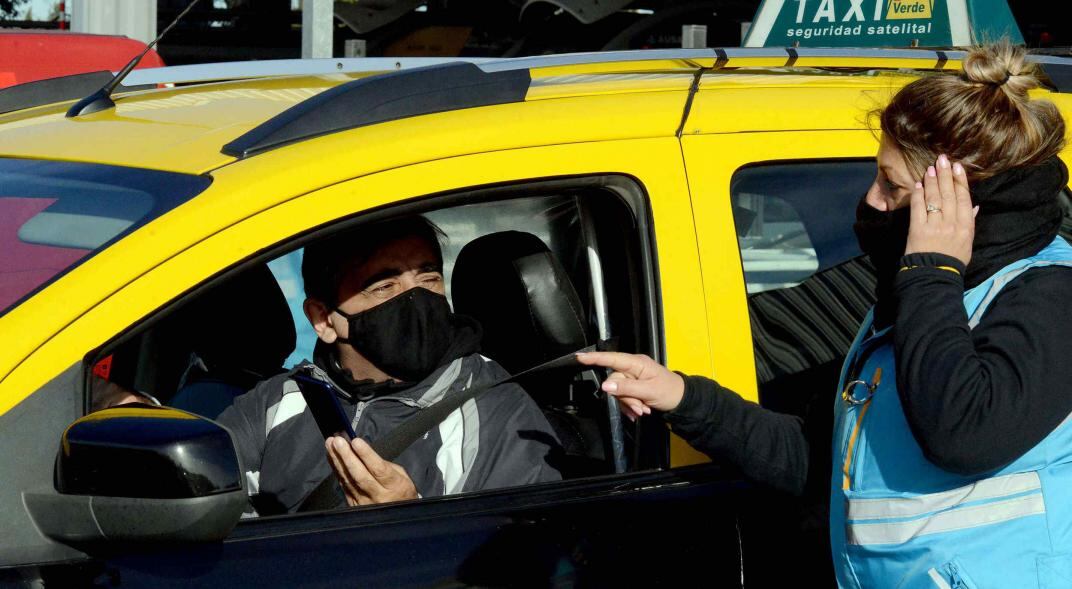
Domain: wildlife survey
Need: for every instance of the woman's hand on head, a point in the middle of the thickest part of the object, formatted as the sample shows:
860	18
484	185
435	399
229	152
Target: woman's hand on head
943	219
640	383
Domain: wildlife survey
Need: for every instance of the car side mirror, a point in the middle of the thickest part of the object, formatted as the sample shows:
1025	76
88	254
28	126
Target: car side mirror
139	473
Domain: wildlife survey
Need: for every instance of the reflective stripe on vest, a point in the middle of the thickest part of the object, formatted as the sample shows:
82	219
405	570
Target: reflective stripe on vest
898	520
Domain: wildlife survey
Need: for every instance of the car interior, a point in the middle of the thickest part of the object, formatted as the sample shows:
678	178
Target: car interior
547	269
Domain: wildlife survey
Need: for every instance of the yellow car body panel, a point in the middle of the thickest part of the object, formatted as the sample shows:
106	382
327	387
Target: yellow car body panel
727	105
184	130
189	125
257	183
179	130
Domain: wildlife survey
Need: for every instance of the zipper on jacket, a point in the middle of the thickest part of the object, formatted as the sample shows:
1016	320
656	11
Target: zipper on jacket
957	580
362	405
850	451
850	447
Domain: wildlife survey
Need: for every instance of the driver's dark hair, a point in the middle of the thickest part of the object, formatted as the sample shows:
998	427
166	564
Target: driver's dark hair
325	261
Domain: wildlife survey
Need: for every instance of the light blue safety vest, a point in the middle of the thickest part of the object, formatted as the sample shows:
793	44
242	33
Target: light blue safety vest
897	520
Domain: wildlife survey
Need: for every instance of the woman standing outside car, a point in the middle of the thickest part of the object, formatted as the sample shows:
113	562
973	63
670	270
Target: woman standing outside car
952	455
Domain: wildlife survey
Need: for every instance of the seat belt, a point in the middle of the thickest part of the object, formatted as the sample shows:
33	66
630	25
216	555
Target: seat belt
328	495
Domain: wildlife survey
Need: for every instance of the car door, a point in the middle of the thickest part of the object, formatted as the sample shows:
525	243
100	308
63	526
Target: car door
614	528
787	287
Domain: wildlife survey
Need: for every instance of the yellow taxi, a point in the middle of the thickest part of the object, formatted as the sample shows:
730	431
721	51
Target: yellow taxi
700	202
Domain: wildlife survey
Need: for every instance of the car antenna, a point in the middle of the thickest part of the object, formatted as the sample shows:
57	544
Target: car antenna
102	99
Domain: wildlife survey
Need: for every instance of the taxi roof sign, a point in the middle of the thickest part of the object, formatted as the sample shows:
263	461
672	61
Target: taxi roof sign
881	23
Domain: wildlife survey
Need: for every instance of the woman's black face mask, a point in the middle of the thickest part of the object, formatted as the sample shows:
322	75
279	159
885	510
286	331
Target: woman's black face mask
406	337
883	235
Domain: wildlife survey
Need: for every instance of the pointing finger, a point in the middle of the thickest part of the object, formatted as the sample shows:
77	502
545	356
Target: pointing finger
629	364
636	389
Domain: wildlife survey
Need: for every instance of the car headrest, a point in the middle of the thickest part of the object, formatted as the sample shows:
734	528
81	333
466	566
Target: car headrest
243	324
512	284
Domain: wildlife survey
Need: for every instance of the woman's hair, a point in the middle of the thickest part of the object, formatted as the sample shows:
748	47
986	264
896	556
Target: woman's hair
981	117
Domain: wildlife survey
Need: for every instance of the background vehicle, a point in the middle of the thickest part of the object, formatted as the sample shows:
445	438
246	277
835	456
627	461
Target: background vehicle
28	56
700	202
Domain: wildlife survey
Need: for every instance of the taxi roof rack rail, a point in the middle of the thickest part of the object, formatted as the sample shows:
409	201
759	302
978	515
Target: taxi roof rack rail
1057	68
190	74
458	85
378	99
236	70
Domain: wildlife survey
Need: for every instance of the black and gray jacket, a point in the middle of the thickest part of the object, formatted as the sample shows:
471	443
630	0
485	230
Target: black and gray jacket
499	439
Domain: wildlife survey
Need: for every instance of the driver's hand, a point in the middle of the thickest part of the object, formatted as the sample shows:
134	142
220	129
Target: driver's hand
364	476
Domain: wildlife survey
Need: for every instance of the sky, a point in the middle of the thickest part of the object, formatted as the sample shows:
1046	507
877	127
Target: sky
41	9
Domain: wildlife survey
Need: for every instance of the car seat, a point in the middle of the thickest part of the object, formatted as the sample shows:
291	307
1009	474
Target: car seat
239	332
514	286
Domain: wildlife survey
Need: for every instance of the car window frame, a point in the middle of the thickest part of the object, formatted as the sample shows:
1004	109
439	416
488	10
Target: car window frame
629	191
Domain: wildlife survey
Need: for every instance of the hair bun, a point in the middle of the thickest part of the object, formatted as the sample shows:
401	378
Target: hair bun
1001	65
981	117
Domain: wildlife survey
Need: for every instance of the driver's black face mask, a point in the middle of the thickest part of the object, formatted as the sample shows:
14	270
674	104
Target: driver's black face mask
406	337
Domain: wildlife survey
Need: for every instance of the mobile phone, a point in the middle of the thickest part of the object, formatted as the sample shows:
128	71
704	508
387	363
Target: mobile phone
321	399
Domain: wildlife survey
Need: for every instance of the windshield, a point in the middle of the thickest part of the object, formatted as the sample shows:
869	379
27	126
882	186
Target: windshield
53	215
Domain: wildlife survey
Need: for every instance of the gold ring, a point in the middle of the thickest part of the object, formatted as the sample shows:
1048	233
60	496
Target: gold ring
932	208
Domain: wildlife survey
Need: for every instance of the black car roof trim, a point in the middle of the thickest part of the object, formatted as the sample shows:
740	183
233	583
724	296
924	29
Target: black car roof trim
382	98
52	90
1059	73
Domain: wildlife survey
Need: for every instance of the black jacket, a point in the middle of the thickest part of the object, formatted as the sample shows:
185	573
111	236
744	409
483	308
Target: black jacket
500	439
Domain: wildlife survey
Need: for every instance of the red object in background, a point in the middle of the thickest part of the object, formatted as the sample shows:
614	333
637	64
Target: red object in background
29	56
25	266
103	368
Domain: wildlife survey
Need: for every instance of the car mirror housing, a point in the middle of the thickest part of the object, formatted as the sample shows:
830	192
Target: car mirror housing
139	473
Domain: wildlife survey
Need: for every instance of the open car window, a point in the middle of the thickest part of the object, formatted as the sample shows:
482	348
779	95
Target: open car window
596	232
53	215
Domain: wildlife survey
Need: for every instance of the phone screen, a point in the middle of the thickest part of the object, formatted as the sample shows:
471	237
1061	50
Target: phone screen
328	413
